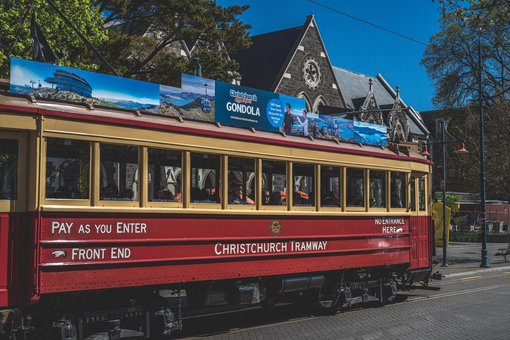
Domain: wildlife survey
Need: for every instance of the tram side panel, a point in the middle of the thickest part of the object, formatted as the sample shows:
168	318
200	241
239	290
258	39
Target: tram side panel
107	251
17	274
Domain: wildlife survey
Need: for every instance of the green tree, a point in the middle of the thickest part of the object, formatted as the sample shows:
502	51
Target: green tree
451	57
145	36
452	62
15	39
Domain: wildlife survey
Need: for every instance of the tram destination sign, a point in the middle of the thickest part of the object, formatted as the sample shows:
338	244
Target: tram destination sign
198	99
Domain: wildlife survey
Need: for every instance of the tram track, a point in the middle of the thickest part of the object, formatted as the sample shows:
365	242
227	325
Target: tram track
402	298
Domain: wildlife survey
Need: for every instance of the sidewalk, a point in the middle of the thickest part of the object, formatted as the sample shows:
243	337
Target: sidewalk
465	258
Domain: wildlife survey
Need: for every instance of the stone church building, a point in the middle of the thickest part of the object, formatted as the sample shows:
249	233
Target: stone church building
295	62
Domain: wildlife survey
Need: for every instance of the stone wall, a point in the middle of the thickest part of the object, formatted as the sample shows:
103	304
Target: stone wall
311	47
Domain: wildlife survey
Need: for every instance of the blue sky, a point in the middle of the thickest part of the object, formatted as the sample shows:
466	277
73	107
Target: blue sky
193	84
357	46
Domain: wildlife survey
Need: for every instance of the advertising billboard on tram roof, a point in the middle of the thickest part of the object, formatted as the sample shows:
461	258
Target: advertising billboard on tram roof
47	81
198	99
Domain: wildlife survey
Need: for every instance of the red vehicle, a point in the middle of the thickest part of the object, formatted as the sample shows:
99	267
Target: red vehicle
117	222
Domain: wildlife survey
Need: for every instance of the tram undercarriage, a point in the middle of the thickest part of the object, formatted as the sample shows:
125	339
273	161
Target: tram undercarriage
158	312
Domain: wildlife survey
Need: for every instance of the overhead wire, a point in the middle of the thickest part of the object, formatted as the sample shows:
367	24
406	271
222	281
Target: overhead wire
367	22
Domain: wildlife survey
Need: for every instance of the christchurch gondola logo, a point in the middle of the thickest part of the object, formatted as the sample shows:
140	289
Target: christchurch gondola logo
275	227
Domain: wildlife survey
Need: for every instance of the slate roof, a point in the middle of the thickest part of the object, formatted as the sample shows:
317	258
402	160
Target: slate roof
354	87
261	63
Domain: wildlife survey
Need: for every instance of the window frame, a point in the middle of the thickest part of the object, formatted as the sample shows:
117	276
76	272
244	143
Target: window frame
97	176
413	181
288	169
426	180
20	203
377	209
365	191
339	208
230	206
65	201
145	184
305	207
407	191
215	206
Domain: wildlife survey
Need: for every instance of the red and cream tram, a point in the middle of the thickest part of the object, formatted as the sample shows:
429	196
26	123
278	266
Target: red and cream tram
119	220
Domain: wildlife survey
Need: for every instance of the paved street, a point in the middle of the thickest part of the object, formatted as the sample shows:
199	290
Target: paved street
463	256
469	303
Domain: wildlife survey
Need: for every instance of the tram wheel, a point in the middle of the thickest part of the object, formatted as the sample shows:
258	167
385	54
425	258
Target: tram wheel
345	299
328	298
390	291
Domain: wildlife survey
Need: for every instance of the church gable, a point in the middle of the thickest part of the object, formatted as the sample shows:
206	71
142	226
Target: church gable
308	73
369	110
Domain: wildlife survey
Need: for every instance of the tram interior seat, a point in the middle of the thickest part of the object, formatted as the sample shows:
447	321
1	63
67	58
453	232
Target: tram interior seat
275	198
127	193
109	191
205	195
62	192
165	194
330	199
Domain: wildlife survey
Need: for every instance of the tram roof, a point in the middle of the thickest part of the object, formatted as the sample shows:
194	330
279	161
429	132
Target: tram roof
26	105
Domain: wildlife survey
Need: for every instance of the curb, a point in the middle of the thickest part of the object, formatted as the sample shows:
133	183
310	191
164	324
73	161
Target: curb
486	270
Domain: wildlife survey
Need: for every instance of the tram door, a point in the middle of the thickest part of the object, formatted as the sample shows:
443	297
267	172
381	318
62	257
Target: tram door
419	224
13	207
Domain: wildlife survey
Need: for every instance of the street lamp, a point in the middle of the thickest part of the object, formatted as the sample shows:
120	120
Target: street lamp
441	124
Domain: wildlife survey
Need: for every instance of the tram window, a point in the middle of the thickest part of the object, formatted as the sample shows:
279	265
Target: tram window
330	186
377	189
274	183
398	189
304	177
67	168
8	169
205	178
421	193
355	187
241	181
412	186
165	175
119	173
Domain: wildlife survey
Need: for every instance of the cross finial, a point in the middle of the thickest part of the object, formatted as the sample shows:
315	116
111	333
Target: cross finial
370	82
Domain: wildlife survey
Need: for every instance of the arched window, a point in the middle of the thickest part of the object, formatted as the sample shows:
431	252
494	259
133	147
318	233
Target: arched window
318	102
307	100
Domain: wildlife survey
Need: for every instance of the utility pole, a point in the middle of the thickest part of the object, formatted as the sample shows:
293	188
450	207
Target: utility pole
485	259
443	148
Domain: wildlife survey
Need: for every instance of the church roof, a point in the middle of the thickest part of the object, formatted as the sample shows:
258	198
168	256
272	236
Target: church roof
260	64
354	87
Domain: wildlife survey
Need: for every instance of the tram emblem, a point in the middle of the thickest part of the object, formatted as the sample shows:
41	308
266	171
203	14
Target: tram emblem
275	227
